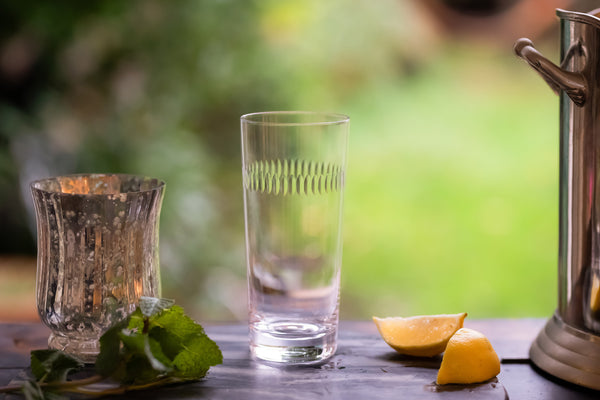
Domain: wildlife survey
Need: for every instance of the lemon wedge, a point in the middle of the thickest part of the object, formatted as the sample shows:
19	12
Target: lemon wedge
469	358
421	336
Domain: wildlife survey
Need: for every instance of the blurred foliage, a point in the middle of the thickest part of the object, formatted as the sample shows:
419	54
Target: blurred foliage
451	197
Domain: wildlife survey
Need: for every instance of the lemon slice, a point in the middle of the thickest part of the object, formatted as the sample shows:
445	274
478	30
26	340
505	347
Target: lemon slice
421	336
469	358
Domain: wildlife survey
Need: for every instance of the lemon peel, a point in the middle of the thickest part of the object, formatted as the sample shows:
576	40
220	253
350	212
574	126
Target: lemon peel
469	358
422	335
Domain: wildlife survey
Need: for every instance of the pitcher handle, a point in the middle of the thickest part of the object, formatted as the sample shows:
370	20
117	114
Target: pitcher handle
572	83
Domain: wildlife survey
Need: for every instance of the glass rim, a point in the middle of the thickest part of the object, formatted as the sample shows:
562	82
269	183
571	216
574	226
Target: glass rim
321	118
34	185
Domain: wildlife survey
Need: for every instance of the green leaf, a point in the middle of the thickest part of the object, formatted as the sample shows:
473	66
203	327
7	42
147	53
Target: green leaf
172	328
169	342
141	344
151	305
153	346
185	341
146	359
198	355
155	355
133	341
137	320
139	371
137	368
109	358
32	391
175	321
53	365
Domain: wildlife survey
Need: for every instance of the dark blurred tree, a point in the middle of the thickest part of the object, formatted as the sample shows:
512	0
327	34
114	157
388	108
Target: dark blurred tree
157	88
31	35
144	87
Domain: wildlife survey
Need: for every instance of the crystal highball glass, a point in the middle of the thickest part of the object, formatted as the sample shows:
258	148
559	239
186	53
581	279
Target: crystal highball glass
97	241
293	166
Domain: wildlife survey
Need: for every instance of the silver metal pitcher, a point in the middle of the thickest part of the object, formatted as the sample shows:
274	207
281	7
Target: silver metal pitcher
569	345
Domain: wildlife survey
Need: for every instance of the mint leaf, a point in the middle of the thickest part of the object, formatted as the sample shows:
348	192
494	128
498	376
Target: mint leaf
53	365
32	391
185	341
198	355
169	342
177	323
139	367
151	305
137	321
146	354
155	345
172	328
134	342
139	371
109	359
155	355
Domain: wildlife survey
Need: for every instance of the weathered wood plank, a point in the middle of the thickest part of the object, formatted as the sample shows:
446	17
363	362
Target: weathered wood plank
363	367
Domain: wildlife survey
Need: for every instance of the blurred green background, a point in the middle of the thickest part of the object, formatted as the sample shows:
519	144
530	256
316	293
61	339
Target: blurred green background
451	201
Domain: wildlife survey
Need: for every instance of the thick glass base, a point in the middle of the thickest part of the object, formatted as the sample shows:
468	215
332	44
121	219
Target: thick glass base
83	349
291	342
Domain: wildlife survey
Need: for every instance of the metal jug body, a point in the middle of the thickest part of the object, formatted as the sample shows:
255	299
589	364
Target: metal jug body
575	80
569	345
579	204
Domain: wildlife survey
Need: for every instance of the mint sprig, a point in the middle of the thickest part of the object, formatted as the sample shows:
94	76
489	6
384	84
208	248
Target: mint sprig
52	365
157	344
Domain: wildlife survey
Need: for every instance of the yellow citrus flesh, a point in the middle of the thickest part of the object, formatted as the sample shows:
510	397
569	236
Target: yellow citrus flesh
421	336
469	358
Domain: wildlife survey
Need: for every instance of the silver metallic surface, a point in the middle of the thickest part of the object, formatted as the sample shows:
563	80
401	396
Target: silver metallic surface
577	84
576	81
568	353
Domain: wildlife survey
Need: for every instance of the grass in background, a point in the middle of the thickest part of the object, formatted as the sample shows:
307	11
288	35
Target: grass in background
451	202
452	192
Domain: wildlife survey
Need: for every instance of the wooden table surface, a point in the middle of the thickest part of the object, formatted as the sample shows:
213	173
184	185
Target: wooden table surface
364	367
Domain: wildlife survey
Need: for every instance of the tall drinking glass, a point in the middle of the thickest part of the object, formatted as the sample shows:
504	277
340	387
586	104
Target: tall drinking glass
293	166
97	254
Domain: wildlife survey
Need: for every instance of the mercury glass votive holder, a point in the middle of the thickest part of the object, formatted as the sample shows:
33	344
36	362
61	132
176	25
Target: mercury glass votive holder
97	238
